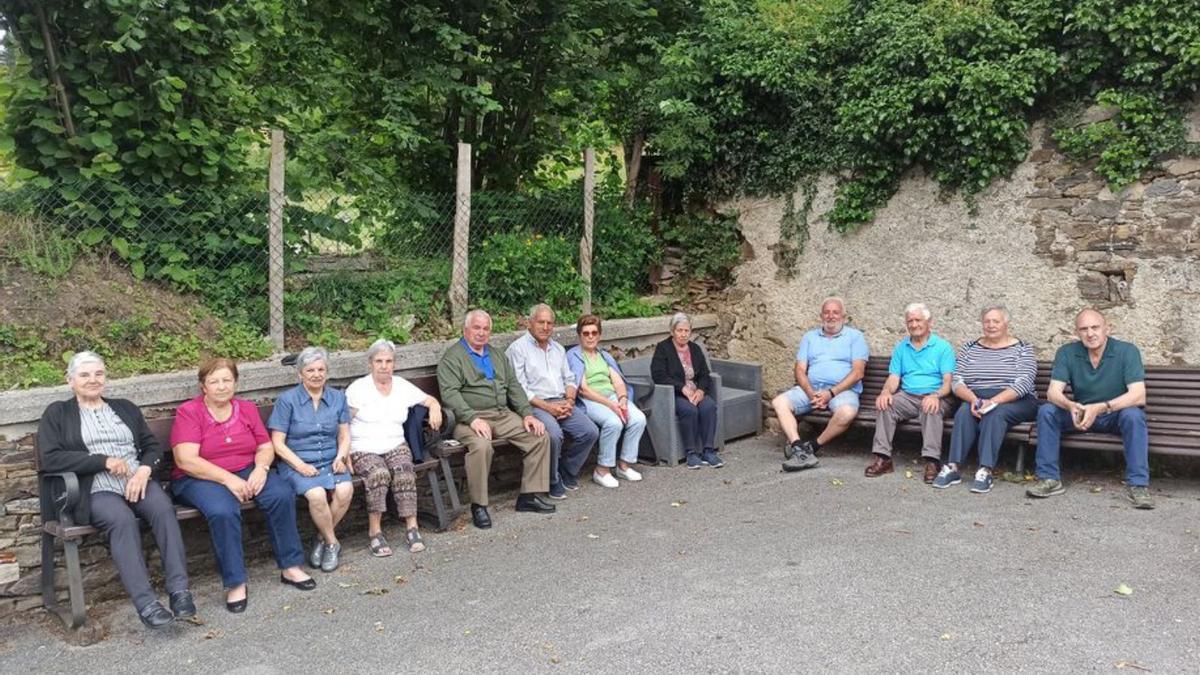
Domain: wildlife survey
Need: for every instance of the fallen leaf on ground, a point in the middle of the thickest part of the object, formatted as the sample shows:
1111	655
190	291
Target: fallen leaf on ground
1131	664
1123	589
836	482
378	626
214	633
286	607
903	531
908	473
679	503
582	519
195	621
399	579
945	636
343	584
593	536
467	631
331	610
977	524
1096	489
375	591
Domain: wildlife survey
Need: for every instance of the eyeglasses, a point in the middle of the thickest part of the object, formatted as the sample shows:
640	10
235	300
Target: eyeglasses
589	333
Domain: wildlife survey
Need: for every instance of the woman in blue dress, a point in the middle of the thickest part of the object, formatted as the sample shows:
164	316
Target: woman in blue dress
310	429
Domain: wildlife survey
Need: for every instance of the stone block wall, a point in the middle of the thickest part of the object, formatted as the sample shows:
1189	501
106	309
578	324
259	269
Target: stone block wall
1046	242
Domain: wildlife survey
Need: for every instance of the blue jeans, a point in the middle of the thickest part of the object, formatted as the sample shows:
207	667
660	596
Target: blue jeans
611	427
221	509
1129	424
582	433
697	423
989	431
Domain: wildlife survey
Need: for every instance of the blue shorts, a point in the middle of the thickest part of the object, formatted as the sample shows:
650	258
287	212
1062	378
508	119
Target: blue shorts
802	406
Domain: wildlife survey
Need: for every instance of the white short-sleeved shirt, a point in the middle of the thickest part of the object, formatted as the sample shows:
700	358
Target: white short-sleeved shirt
378	426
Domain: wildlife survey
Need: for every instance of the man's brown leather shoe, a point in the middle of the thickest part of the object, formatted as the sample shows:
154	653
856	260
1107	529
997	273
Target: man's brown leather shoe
881	466
931	470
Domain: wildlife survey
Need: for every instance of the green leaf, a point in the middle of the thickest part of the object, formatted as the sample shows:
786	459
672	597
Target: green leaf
122	109
138	268
92	236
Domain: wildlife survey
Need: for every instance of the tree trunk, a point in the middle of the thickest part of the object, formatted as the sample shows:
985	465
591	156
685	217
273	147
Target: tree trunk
633	167
60	90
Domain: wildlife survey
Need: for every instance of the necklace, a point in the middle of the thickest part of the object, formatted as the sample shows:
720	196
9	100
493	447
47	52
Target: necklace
224	427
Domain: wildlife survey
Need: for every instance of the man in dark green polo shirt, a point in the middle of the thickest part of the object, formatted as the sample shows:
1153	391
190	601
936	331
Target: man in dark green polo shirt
1108	383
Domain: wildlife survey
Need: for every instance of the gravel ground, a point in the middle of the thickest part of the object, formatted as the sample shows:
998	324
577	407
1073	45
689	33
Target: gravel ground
739	569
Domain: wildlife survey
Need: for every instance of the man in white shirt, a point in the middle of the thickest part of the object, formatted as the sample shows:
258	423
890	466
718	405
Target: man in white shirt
541	367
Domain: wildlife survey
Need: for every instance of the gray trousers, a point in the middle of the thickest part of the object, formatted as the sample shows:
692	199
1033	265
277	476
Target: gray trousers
115	517
582	433
906	406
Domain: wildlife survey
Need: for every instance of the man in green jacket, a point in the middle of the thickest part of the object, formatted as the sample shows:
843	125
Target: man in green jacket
488	402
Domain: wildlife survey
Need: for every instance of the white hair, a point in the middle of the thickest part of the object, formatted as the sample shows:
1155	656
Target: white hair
309	356
833	298
380	345
918	307
680	318
80	358
996	308
476	313
538	308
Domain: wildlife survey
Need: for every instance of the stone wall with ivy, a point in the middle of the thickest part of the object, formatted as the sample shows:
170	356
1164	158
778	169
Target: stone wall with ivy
1048	240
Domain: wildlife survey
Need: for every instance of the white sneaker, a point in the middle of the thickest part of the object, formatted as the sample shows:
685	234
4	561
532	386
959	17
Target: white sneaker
629	474
605	480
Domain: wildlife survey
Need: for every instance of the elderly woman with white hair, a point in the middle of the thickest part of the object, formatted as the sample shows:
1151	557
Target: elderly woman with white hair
106	443
310	430
994	378
679	362
379	403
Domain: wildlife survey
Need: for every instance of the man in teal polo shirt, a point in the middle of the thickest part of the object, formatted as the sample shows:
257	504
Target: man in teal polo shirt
918	385
1108	383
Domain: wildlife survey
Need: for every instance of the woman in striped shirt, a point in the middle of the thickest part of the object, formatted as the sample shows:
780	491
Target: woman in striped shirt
994	377
106	443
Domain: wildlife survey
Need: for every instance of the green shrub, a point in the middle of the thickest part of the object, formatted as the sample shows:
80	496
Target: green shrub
515	270
711	244
625	248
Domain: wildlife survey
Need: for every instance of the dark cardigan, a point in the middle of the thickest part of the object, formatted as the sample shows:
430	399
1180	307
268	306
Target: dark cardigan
666	368
60	448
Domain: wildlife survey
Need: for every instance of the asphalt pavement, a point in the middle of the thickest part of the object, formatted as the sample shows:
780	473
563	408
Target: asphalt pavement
743	568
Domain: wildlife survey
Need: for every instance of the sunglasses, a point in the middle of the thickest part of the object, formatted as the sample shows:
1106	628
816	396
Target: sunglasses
589	333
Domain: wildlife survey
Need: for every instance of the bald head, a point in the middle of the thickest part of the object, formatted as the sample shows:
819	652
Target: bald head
1092	329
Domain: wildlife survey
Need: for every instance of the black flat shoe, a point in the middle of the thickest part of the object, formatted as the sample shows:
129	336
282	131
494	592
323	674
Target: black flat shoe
479	515
306	585
529	503
155	615
183	606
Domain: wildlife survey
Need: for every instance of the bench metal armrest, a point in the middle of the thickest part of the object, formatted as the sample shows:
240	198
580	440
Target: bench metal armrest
64	504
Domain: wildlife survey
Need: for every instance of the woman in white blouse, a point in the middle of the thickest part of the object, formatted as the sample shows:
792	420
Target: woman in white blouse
379	453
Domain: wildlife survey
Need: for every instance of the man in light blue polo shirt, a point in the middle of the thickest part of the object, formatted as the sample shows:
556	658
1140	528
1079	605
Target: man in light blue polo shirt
918	385
830	364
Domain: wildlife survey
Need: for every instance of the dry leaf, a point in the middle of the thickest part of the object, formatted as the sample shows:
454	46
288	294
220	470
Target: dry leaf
679	503
555	659
378	626
977	524
331	610
593	536
908	473
1123	589
836	482
195	621
343	584
375	591
1096	489
1131	664
214	633
467	631
945	636
399	579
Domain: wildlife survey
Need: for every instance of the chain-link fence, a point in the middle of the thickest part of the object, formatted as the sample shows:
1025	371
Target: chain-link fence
341	269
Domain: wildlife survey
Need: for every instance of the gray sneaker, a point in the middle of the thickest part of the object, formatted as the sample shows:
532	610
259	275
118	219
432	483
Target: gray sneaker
800	460
318	552
1140	496
331	557
1047	487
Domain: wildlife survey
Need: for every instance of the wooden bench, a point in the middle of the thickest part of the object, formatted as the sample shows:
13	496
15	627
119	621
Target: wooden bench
57	525
1172	393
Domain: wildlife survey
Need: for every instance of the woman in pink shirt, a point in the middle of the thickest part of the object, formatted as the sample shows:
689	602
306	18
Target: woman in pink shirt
223	459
